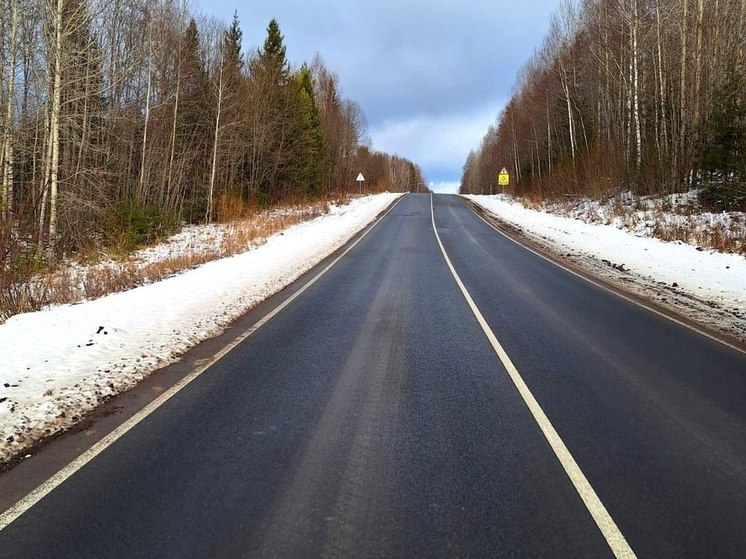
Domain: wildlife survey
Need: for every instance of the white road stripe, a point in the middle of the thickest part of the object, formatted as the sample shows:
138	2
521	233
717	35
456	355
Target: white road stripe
605	523
613	291
57	479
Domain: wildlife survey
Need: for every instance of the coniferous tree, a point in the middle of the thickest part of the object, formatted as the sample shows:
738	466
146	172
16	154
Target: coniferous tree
232	46
272	118
724	153
272	56
193	130
310	145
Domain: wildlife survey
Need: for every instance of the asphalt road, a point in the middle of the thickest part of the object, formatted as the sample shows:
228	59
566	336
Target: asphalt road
372	418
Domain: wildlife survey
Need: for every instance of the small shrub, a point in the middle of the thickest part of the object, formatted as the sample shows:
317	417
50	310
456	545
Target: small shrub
724	196
142	225
20	264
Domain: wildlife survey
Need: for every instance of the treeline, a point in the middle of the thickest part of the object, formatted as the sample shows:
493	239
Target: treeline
133	114
648	95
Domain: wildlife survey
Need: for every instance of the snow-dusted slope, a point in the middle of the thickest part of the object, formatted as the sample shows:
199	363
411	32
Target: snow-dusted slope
61	362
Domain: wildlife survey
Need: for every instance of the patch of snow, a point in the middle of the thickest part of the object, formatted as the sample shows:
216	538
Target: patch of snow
61	362
675	216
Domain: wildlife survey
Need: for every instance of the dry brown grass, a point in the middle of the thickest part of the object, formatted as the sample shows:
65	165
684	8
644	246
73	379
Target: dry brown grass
74	283
717	236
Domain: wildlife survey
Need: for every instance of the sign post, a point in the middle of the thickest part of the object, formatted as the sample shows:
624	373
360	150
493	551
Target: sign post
360	179
503	179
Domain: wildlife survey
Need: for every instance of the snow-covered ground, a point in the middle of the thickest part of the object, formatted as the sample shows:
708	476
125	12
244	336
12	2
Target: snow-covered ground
61	362
212	238
79	279
676	216
704	285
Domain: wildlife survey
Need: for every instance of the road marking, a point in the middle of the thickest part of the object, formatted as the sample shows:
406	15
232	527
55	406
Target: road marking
57	479
601	516
607	288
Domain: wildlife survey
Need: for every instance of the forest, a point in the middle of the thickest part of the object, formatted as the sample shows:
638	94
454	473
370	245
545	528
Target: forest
129	118
647	96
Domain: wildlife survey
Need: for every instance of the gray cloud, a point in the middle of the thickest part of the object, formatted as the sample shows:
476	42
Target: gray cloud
436	142
429	75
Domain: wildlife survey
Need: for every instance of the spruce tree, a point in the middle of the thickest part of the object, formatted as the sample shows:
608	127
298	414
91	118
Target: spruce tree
311	148
274	120
272	55
232	45
724	154
194	123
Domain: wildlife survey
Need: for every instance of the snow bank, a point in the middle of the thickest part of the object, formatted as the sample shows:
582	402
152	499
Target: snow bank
60	363
668	217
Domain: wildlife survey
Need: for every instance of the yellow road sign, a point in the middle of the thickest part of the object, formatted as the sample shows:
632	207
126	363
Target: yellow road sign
503	178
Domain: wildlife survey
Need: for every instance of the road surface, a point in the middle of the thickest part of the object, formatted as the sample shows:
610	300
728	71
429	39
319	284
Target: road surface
373	417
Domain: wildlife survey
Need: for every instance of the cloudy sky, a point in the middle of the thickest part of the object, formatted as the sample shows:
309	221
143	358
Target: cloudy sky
430	75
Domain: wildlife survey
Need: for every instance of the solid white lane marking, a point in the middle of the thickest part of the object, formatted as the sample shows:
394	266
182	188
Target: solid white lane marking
601	516
57	479
607	288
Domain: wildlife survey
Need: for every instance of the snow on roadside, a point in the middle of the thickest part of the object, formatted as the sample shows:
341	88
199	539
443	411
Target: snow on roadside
61	362
210	238
676	216
705	282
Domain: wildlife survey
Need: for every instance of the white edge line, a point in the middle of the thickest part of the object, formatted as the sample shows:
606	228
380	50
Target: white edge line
610	531
25	503
602	286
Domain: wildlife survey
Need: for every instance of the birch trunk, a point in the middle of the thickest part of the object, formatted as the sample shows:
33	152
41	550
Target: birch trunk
47	149
516	158
141	183
7	148
717	25
173	134
661	80
682	84
211	191
636	87
549	139
536	143
698	69
84	130
570	119
55	132
628	117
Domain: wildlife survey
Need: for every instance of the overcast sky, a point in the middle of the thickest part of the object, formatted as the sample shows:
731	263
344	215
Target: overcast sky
430	75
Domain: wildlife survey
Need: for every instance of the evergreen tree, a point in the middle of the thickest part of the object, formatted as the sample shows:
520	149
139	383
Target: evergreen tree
311	149
195	76
230	101
274	121
724	154
194	122
232	45
273	55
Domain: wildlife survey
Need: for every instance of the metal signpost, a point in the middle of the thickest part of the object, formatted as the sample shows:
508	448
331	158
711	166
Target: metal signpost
503	179
360	179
